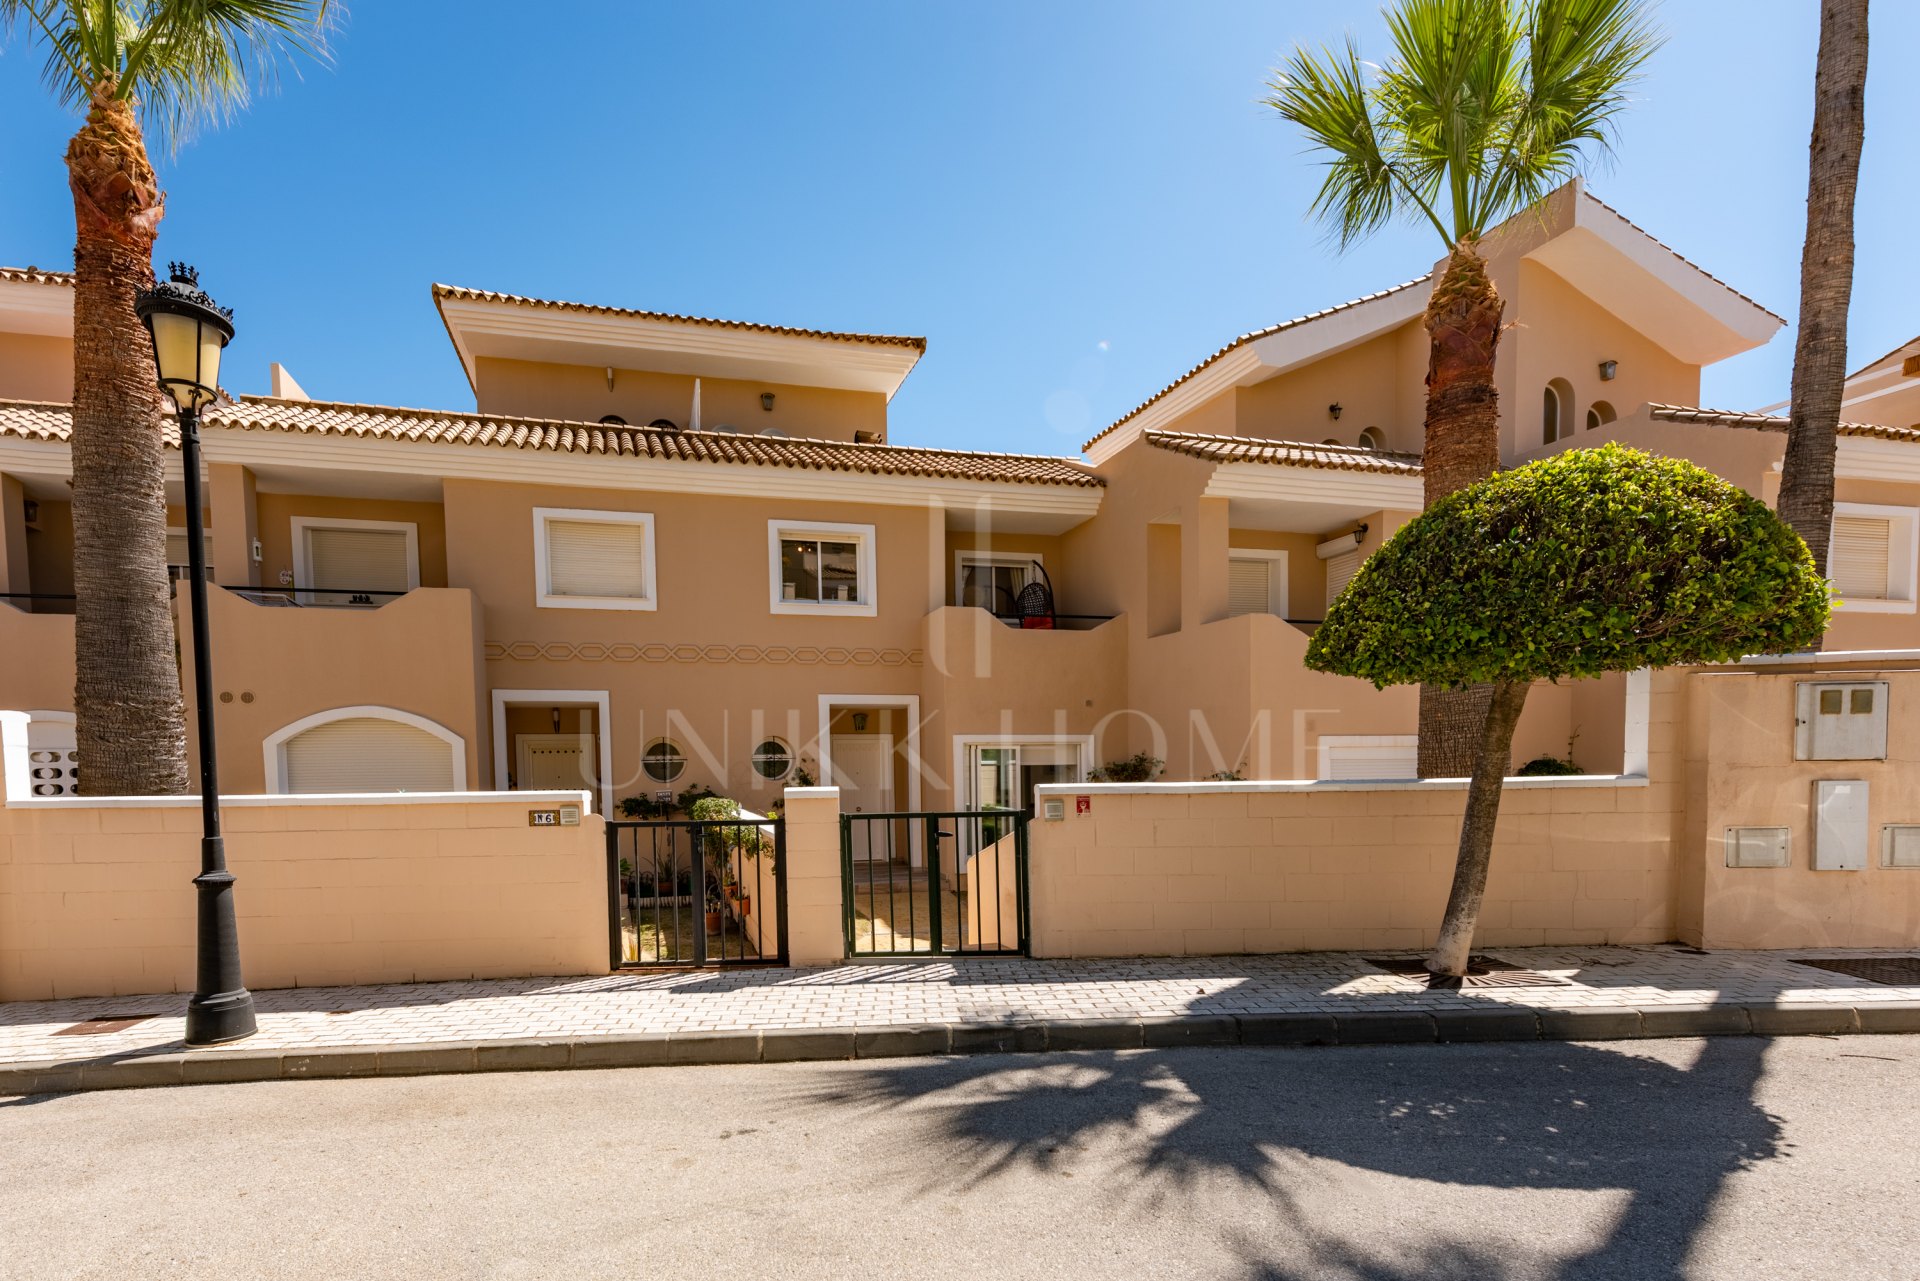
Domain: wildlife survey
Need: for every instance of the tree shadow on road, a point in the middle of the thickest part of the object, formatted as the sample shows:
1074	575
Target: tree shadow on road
1556	1116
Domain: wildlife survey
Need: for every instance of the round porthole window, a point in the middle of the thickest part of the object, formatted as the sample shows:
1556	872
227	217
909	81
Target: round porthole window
773	759
663	760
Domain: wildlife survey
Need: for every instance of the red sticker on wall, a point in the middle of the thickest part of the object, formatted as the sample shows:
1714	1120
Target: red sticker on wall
1083	805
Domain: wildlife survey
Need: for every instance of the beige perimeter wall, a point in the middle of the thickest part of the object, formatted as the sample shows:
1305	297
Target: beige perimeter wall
96	897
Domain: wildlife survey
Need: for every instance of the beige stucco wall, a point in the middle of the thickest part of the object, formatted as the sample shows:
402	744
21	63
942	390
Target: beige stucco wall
1741	772
96	899
36	367
578	393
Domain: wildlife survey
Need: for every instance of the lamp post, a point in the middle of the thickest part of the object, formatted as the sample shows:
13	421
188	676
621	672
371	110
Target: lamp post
188	331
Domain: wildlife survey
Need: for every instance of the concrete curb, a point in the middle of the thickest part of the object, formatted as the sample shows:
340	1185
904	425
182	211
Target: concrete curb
220	1065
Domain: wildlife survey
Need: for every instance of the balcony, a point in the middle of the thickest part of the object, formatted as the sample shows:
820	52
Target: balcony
977	666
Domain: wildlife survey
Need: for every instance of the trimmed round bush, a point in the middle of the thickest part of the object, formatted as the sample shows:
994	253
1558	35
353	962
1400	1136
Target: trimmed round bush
1590	561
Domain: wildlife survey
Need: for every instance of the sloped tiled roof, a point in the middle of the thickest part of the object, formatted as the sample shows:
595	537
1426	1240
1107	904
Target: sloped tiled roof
1255	336
1769	422
52	421
1288	453
427	426
35	276
443	292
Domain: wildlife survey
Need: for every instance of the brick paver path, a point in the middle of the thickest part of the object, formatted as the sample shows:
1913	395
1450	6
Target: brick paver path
973	991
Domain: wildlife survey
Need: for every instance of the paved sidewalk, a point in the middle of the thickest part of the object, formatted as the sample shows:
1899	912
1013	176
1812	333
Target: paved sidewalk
877	1010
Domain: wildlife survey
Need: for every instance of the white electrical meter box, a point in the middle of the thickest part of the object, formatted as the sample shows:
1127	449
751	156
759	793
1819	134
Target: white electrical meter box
1840	721
1900	845
1758	846
1840	833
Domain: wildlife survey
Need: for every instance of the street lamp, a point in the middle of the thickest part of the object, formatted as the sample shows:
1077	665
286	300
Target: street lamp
188	331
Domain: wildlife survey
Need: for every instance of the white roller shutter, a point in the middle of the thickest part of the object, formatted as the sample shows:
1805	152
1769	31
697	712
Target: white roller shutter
1388	757
345	561
1340	572
368	754
1858	557
1249	586
597	558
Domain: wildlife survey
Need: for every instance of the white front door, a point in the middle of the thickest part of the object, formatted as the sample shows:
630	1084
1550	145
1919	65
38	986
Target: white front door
555	762
863	771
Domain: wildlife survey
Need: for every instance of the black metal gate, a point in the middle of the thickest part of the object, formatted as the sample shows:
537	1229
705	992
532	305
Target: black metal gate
688	893
945	883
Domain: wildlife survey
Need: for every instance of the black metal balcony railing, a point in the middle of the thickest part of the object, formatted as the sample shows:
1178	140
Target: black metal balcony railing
293	596
1055	622
40	602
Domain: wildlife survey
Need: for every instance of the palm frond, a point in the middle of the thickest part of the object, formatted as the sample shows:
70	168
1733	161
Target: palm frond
196	62
1326	95
52	23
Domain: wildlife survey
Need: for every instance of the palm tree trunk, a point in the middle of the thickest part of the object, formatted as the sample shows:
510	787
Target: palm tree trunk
129	724
1470	868
1462	446
1826	274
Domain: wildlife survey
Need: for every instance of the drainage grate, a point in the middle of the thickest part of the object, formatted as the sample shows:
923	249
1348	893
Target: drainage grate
1482	971
100	1025
1895	971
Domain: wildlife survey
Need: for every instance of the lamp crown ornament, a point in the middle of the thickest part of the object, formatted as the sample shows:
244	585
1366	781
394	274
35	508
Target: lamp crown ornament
183	286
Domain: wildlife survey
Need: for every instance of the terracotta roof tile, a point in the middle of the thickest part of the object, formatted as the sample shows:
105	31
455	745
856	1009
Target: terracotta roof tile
1769	422
425	426
1287	453
442	292
1255	336
35	276
52	421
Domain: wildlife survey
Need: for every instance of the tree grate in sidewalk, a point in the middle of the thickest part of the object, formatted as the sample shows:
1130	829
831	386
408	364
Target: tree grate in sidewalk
1482	972
1894	971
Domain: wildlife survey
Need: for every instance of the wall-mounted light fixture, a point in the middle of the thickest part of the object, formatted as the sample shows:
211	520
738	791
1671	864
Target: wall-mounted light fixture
1608	368
1333	411
766	401
859	722
1360	533
30	511
556	720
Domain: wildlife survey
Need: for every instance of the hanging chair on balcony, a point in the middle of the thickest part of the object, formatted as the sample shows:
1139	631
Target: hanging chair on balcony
1035	602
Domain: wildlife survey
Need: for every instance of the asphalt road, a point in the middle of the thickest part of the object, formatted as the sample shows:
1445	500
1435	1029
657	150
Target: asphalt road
1731	1158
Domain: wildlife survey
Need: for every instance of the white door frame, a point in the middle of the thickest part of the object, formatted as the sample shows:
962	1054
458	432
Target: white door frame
1279	599
829	703
603	729
301	526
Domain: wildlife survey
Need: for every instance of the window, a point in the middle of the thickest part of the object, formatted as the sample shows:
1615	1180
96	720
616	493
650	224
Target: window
354	562
1256	582
612	420
1369	756
821	569
1340	571
663	760
1556	411
1872	557
991	581
773	759
1599	414
1372	439
592	559
177	549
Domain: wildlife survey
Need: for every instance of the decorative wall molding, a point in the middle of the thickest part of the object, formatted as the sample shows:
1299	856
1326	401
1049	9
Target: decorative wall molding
660	652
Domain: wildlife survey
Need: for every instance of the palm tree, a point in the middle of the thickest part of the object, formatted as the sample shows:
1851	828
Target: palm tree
1484	108
171	64
1826	274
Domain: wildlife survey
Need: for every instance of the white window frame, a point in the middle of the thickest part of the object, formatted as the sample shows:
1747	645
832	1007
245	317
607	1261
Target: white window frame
966	557
274	747
1903	558
303	557
543	595
862	536
964	744
1277	586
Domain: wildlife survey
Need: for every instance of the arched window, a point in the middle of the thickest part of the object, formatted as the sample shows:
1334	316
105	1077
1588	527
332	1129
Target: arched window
1329	441
1372	439
612	420
1556	411
1599	414
365	749
663	760
773	759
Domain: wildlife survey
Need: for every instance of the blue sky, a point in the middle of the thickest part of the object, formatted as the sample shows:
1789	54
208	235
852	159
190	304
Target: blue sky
1072	202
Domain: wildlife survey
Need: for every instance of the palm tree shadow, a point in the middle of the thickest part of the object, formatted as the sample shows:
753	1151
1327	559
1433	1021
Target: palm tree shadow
1561	1116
